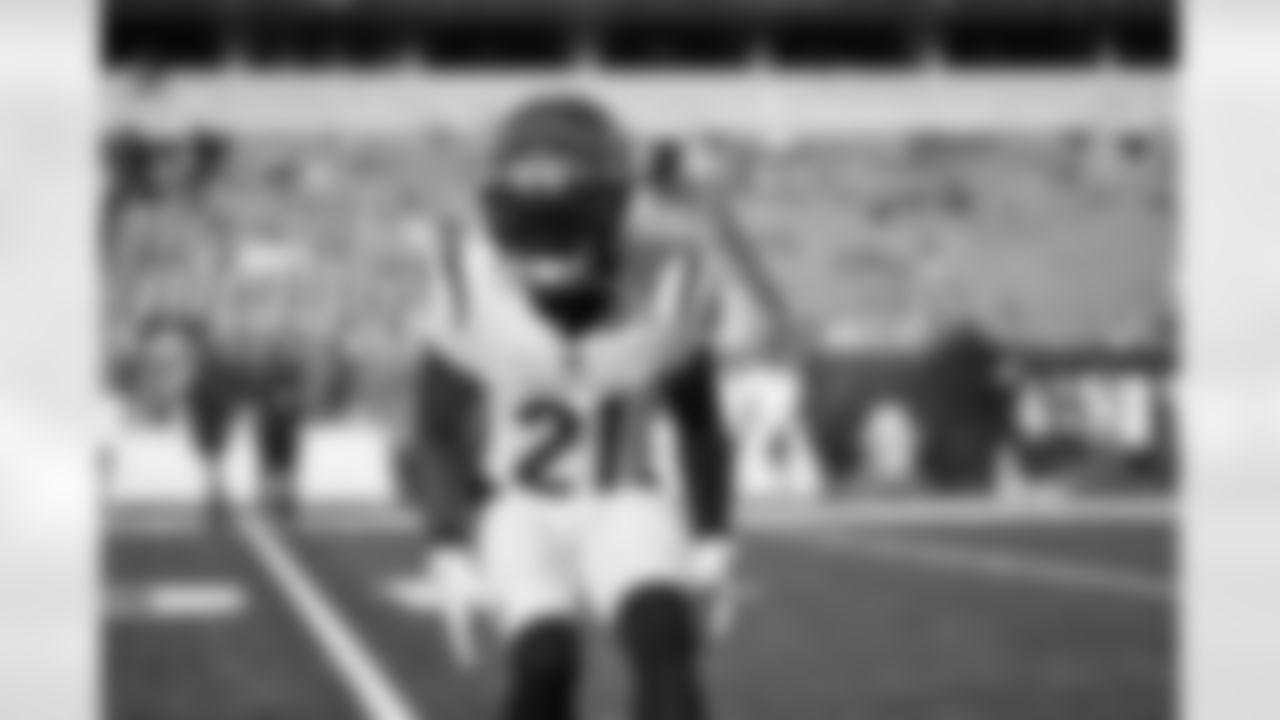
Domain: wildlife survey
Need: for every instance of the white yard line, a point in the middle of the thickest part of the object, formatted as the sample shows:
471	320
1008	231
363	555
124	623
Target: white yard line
369	683
992	564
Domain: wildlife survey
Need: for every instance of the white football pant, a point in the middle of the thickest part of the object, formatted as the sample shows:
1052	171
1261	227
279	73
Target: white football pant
549	557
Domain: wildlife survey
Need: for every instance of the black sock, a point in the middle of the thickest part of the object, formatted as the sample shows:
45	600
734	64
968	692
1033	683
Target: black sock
545	664
659	633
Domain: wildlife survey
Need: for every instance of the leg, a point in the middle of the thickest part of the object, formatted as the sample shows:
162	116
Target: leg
544	666
210	423
660	637
535	598
636	560
278	449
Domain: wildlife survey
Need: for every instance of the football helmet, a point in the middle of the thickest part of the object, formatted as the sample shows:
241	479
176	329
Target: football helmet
557	190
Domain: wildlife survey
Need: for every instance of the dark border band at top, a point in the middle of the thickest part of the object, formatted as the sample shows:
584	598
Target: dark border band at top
627	31
627	10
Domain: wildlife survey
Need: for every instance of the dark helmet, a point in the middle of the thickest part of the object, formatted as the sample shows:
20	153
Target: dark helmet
559	179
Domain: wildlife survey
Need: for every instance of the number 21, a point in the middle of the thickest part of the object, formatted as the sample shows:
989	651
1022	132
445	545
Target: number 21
558	427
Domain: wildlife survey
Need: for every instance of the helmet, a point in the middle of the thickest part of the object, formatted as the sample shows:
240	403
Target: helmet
558	184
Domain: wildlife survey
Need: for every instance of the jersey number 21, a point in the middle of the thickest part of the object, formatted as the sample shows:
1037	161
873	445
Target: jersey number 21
556	429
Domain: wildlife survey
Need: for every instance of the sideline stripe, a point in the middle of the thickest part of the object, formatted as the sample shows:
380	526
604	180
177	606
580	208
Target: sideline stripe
992	564
961	512
354	662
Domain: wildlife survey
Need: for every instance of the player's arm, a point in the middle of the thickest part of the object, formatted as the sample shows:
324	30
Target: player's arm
440	465
445	472
692	397
707	474
451	490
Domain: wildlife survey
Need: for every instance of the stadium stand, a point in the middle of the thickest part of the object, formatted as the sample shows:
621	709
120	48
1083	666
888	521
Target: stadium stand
862	229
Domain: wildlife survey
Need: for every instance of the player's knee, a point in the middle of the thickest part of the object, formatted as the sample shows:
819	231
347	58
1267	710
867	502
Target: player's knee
546	653
658	625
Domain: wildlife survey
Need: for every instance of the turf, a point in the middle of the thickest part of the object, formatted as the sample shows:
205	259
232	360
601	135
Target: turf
258	665
827	634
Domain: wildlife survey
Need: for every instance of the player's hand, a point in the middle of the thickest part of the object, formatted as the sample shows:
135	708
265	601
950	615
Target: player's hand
714	579
461	603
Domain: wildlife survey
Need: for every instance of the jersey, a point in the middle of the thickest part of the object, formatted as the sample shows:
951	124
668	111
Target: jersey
565	415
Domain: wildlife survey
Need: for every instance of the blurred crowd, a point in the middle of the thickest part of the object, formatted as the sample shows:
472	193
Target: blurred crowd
1030	275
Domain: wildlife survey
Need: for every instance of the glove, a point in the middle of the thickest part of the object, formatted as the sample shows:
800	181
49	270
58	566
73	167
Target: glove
460	603
712	575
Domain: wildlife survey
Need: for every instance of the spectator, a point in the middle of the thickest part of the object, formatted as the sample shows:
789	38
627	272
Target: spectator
667	172
279	407
968	409
890	444
181	361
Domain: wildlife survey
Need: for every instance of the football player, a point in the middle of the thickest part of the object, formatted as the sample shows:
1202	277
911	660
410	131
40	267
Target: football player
557	350
180	366
278	404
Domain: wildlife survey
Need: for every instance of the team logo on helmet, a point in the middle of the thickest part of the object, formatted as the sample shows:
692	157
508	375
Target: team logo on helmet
577	129
558	181
541	174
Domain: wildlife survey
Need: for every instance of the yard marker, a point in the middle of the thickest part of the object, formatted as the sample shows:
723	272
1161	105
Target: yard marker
176	601
369	683
1002	565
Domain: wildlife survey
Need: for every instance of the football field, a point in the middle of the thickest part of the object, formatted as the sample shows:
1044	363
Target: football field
848	614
